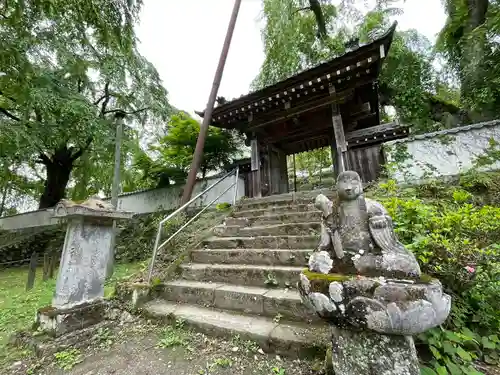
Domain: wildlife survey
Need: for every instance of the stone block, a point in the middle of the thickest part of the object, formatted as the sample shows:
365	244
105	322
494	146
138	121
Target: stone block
190	292
362	352
236	297
286	303
87	252
59	321
136	294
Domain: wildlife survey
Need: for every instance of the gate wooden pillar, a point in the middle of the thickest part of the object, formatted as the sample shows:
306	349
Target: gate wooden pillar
278	171
255	168
339	146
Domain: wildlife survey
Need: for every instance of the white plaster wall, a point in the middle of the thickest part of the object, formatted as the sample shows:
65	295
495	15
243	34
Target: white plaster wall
141	202
169	198
28	220
431	157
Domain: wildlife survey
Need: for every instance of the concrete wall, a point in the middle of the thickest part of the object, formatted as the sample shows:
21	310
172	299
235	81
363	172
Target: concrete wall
168	198
440	154
28	220
140	202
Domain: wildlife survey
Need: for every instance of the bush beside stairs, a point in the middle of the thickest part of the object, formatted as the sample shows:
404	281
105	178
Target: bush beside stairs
242	280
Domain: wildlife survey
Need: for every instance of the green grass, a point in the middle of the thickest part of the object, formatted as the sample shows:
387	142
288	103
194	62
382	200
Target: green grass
18	307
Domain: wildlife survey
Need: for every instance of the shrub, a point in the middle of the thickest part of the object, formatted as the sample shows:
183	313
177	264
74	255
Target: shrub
456	238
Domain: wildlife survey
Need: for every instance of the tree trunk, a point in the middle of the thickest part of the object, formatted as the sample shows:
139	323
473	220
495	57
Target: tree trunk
5	192
472	67
59	168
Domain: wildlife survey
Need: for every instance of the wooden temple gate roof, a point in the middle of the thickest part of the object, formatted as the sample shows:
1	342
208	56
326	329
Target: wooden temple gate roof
295	114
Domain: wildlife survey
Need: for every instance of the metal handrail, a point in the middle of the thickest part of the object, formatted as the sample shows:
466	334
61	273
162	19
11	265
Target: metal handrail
180	209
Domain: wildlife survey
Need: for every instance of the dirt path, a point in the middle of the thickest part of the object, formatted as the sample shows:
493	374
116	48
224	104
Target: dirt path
142	349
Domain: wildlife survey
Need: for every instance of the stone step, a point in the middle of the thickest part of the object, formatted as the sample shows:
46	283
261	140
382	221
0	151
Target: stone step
243	274
273	303
286	257
287	198
273	210
269	230
291	339
262	242
250	204
279	218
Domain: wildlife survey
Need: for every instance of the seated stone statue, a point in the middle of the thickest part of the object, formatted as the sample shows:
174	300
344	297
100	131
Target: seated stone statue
358	234
368	286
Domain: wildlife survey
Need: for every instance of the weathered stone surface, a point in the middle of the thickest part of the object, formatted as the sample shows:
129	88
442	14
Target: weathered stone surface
336	291
290	339
134	294
277	229
87	251
305	283
59	321
321	303
359	234
262	242
269	218
373	304
269	211
288	304
368	353
320	262
236	297
84	262
285	257
252	275
190	292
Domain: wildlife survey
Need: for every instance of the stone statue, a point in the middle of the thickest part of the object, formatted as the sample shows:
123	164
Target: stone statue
359	235
364	282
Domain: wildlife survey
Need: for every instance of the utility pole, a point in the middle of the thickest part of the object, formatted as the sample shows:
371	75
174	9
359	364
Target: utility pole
115	187
207	117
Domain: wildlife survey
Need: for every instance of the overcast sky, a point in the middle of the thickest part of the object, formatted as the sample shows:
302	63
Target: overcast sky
183	39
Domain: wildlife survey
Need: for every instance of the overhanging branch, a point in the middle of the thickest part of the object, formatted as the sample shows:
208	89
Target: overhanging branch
79	153
9	115
125	112
106	99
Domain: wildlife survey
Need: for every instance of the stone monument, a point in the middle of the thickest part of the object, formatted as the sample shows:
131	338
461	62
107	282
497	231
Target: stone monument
364	282
77	301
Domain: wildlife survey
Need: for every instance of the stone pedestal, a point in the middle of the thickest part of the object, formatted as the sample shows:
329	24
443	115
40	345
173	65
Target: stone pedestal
78	299
368	286
370	353
86	253
60	321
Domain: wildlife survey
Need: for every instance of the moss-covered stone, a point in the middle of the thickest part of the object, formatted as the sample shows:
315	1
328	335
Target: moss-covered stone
425	279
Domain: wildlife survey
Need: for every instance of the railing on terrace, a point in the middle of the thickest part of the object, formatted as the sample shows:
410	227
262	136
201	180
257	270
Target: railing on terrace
158	246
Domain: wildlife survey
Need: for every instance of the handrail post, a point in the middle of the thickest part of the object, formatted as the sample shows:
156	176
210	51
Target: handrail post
180	209
236	176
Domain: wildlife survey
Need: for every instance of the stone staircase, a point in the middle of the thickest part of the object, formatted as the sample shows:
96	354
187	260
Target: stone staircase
242	280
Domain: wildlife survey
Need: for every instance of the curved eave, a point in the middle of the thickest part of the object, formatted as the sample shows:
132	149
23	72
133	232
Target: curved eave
325	71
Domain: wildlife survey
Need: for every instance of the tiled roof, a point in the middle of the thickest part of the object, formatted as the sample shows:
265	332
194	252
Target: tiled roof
460	129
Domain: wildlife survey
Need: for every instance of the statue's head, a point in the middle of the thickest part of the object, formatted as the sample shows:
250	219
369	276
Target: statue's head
349	186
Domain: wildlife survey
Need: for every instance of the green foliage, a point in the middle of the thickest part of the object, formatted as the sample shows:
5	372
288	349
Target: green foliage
176	335
454	352
221	362
136	239
278	371
469	43
223	206
271	281
408	80
174	152
68	359
456	238
67	69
